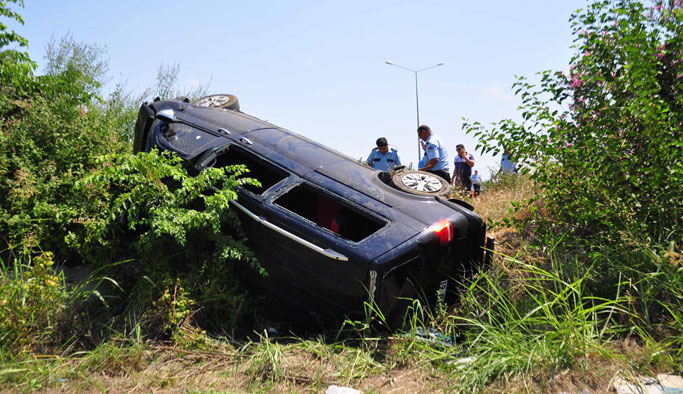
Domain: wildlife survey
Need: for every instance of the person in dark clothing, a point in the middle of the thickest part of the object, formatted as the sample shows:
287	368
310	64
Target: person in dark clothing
463	168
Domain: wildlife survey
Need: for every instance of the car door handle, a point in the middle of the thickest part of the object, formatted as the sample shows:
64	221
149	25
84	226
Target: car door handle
245	140
325	252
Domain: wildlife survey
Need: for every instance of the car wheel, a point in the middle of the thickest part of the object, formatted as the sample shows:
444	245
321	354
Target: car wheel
227	101
420	182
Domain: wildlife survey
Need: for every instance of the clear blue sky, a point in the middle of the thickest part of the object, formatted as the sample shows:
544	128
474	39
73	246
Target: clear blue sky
317	67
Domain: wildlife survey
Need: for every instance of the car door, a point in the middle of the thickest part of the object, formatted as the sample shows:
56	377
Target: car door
307	239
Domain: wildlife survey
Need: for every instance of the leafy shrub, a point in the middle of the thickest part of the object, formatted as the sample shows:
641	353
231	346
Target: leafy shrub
51	131
178	231
604	140
138	219
603	143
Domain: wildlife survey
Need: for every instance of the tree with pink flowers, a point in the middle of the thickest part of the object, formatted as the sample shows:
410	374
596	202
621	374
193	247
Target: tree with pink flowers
603	140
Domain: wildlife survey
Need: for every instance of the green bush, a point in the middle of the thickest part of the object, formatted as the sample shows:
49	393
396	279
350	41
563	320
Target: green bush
70	186
177	231
52	129
604	140
603	143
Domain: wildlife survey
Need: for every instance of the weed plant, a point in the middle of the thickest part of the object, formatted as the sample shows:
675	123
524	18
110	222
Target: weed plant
32	297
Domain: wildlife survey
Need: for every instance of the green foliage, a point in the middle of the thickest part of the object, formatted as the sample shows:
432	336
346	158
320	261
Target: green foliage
173	231
44	147
604	141
32	297
51	131
11	37
153	195
545	322
178	229
16	67
6	37
74	72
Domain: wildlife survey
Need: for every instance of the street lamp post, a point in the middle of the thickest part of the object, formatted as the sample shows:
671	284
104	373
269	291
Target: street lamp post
417	100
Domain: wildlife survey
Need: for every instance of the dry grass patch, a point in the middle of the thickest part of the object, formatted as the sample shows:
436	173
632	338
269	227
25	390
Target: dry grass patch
494	204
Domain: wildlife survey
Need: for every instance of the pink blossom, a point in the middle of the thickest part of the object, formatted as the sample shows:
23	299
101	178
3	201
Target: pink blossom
658	7
576	81
581	99
612	74
660	56
568	145
615	23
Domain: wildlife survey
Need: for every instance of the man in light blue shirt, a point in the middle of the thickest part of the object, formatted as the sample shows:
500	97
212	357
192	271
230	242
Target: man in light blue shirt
383	158
437	156
476	182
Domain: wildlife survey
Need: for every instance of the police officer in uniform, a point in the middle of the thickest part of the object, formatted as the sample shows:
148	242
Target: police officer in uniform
383	158
435	150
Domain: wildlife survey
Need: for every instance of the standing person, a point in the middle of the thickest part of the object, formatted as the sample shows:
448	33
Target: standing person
463	167
383	158
476	182
507	165
437	156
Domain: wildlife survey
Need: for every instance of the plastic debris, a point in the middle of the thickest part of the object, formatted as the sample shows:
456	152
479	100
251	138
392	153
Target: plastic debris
341	390
661	384
432	336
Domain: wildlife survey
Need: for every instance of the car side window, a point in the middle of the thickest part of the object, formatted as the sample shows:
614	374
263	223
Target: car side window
267	174
329	213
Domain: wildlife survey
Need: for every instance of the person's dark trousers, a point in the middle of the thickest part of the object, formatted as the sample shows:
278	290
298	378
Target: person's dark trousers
443	174
477	189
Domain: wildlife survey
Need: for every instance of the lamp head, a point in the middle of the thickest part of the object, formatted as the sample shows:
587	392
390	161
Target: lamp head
388	62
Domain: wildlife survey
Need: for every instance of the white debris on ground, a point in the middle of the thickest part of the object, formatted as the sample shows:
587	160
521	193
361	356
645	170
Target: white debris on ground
662	384
341	390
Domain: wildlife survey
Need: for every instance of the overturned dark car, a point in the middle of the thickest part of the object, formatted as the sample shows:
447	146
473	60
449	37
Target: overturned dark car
337	238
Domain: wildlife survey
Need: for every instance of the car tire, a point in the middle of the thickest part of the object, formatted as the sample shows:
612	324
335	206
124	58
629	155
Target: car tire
420	183
226	101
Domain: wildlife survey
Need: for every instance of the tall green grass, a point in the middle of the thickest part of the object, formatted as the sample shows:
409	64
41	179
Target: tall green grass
544	321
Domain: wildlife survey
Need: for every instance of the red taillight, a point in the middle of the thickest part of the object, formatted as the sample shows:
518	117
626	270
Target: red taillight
443	230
